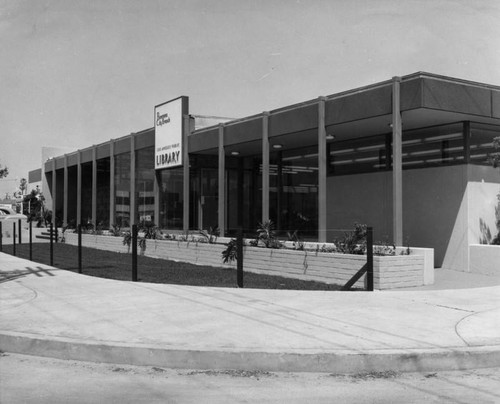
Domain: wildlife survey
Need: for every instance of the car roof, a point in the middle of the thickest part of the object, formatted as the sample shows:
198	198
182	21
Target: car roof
7	211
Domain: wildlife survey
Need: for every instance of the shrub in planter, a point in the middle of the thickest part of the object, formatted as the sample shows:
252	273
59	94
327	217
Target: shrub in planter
353	242
266	235
211	235
115	230
230	254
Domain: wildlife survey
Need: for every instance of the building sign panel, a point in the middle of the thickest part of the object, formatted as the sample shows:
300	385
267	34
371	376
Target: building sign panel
169	133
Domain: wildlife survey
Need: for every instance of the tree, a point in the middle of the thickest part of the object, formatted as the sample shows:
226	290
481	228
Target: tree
494	158
34	206
3	172
23	186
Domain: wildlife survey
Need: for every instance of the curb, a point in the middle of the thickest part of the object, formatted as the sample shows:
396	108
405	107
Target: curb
338	362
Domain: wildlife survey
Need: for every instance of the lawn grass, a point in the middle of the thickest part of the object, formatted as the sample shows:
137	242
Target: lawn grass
113	265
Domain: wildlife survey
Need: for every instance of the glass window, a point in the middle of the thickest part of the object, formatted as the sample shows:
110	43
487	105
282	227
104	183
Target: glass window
72	195
481	142
103	167
171	198
434	146
243	188
86	212
144	185
204	192
294	191
360	155
122	189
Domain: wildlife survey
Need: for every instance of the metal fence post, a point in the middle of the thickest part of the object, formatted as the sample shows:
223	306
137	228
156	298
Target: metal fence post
31	240
14	239
134	253
369	259
79	248
1	237
51	244
239	261
20	227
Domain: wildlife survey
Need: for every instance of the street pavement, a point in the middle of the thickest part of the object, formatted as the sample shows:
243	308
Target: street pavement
55	313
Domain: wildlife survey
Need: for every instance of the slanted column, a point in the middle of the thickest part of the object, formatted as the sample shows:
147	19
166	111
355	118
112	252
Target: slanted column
54	192
79	188
185	165
222	183
397	163
132	181
65	195
322	162
112	194
265	167
94	186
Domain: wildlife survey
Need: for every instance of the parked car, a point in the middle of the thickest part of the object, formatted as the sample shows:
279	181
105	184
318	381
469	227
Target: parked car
9	216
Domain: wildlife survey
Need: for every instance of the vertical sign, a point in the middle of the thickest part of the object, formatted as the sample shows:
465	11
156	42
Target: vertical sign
169	133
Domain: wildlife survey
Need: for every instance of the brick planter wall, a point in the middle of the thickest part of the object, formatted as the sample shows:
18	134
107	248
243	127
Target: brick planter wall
389	271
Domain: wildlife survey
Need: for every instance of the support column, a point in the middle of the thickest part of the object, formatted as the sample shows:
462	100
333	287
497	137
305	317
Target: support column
112	191
265	167
279	190
185	164
322	162
65	195
156	192
79	188
222	183
397	163
94	186
132	181
54	192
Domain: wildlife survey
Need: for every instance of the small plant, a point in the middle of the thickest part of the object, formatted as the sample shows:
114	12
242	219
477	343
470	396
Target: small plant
88	228
127	239
115	230
254	243
142	245
326	249
150	230
62	239
298	244
230	254
384	248
407	250
99	229
353	242
211	235
266	234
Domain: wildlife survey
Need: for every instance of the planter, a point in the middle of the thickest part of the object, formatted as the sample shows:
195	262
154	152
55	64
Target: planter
389	271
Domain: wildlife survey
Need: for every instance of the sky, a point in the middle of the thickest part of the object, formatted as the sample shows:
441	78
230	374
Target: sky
79	72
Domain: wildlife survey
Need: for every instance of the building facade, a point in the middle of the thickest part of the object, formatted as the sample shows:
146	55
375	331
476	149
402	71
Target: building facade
408	156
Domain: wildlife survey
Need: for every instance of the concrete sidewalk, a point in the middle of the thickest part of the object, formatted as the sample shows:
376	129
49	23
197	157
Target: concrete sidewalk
50	312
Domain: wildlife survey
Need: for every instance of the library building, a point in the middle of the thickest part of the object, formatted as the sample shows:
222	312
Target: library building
409	156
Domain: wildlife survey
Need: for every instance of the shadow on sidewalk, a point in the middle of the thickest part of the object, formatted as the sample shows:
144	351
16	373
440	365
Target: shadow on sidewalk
6	276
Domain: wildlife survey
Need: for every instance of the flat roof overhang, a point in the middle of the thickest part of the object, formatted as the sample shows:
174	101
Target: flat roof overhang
426	100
